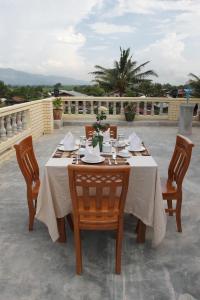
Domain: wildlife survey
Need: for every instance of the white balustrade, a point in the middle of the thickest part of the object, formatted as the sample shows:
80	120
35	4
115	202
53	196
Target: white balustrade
161	109
121	108
12	124
144	107
138	108
3	136
84	107
24	120
9	132
19	121
114	108
152	108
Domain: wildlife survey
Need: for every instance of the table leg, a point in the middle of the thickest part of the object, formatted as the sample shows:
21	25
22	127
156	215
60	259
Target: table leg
70	222
141	232
61	230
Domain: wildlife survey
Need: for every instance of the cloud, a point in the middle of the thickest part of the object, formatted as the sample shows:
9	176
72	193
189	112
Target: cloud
69	36
44	37
167	58
108	28
152	6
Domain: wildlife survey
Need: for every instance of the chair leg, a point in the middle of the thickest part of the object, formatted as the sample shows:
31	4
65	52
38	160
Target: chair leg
169	204
119	249
31	215
178	214
77	239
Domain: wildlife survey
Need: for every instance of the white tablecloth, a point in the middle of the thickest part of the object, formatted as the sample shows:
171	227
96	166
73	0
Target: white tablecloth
144	198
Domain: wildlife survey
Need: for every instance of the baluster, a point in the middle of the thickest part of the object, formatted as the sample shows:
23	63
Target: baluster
8	126
161	108
138	108
92	107
84	107
2	129
24	120
145	108
19	122
69	107
152	108
14	124
114	108
122	108
76	107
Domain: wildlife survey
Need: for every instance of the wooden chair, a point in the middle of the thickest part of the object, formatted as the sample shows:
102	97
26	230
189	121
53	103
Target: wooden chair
89	130
172	186
96	203
30	170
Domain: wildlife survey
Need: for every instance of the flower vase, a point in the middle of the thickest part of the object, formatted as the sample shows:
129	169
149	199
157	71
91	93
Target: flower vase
98	139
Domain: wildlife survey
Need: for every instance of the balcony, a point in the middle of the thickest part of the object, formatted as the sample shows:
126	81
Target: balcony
33	267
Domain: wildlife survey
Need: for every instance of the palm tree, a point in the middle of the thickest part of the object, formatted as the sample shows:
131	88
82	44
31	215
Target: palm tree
124	74
195	83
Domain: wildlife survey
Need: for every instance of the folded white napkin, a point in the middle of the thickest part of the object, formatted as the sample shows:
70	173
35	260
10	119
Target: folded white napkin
92	154
106	135
69	141
135	141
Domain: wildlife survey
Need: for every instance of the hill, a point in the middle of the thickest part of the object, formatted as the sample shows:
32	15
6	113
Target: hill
14	77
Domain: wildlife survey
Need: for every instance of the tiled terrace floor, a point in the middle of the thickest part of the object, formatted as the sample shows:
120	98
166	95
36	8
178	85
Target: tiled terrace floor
32	267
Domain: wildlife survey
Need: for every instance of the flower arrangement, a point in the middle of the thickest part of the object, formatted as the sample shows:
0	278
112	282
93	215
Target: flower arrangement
99	127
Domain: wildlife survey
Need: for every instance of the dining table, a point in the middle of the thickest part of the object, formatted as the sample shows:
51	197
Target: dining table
144	198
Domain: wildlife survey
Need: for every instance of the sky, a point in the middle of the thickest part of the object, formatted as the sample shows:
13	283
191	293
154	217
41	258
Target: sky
70	37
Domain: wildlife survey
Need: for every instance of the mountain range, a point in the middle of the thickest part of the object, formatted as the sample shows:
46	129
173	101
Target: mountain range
14	77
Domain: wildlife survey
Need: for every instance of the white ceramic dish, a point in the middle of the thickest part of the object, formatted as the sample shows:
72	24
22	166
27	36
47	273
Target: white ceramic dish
85	160
61	148
120	144
140	149
124	155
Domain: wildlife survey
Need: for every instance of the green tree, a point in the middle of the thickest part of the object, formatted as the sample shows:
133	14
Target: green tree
124	74
4	90
90	90
195	83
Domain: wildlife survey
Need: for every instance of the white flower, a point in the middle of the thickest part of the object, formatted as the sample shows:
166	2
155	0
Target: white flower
103	109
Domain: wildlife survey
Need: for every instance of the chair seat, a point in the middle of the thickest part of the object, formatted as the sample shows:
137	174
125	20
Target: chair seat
89	221
169	191
35	189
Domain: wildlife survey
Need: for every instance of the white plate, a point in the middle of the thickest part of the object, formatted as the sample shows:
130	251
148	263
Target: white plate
101	159
120	145
140	149
61	148
121	154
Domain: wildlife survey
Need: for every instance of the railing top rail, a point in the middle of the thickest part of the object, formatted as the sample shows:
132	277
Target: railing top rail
22	106
128	99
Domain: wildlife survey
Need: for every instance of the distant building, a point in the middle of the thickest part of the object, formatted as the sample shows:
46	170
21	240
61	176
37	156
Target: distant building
15	100
64	93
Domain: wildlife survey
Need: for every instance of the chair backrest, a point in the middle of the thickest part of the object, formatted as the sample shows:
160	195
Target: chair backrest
27	161
89	130
180	160
98	191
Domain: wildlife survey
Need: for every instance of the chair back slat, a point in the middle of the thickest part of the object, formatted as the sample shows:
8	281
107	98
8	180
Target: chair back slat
89	130
98	191
180	160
